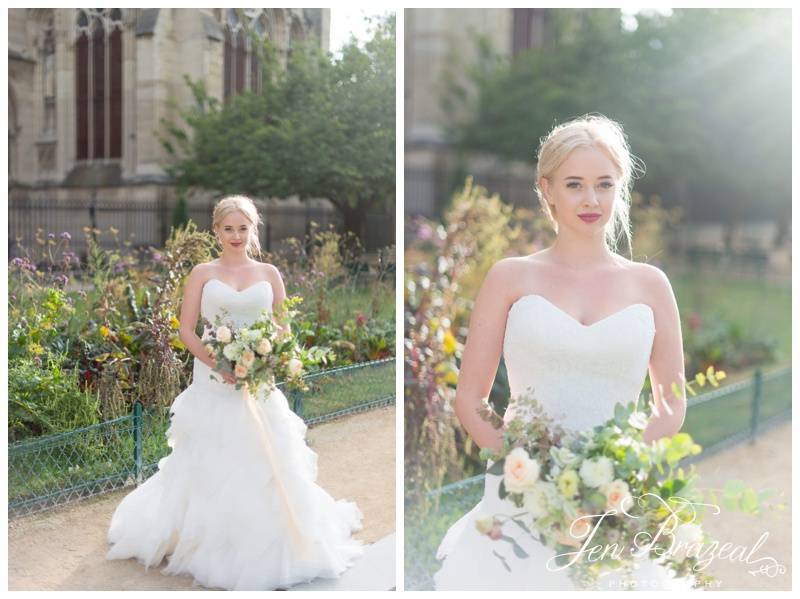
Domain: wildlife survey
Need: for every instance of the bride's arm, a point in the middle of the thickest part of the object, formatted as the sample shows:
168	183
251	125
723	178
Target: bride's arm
666	360
190	311
278	294
481	356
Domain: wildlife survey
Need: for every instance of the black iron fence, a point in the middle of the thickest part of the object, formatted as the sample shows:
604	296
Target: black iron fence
147	222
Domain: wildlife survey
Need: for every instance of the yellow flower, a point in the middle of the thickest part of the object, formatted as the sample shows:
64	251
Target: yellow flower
450	344
568	483
104	331
451	378
174	323
36	349
177	343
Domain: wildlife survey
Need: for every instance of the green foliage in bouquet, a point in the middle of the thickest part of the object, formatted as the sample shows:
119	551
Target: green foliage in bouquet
265	352
607	492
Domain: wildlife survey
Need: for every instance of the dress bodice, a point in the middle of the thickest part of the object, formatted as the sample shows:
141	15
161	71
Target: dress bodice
576	371
242	308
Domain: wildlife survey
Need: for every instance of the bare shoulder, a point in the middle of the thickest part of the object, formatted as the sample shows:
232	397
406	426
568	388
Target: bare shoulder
270	271
654	284
505	272
201	271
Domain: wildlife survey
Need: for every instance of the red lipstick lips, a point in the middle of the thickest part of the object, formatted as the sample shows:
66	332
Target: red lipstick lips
589	218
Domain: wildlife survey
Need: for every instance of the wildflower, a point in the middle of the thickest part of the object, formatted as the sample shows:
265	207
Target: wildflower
66	236
449	344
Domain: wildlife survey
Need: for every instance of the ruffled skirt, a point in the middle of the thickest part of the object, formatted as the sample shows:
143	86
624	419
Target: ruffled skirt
235	504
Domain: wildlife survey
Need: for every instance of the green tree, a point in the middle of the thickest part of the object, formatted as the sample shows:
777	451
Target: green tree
323	127
704	96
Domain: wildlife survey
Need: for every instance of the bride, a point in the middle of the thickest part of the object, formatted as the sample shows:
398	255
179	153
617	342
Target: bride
578	326
235	504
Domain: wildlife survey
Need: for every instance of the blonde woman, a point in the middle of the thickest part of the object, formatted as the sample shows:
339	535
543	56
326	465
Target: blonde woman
235	504
579	327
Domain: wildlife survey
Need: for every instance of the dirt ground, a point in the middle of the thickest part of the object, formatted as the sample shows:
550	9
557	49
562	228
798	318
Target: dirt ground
767	463
64	549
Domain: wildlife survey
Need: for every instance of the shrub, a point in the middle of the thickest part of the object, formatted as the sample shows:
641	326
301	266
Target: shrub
44	397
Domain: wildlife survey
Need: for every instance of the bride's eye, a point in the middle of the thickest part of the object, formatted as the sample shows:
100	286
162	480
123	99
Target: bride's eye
606	185
573	185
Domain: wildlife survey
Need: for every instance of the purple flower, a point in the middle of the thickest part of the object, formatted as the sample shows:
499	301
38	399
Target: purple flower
424	232
62	280
51	235
18	262
156	256
66	235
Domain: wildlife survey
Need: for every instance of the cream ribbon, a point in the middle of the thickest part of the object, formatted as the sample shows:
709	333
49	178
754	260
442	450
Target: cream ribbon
297	537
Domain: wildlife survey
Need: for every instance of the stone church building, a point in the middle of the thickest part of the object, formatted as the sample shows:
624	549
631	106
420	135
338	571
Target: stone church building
88	90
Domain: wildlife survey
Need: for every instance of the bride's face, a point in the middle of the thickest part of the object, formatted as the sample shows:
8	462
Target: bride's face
583	186
234	232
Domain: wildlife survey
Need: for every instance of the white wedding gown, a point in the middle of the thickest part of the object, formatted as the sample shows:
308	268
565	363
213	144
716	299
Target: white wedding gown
577	372
235	503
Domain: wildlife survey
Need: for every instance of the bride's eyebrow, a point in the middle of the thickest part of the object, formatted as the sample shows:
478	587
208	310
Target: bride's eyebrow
581	178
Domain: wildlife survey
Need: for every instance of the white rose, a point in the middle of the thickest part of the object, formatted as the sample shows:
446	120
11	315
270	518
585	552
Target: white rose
563	456
223	334
295	366
538	500
264	347
231	351
520	471
210	349
687	540
597	472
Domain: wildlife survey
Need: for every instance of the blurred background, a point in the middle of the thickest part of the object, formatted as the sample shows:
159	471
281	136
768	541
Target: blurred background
704	96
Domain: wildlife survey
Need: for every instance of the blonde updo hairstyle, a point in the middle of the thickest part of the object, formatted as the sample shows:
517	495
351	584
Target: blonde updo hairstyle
598	131
245	205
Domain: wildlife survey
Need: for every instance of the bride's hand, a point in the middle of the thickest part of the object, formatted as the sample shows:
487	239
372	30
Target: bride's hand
227	376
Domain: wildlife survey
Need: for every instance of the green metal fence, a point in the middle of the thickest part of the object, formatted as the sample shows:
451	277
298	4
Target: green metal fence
57	469
716	419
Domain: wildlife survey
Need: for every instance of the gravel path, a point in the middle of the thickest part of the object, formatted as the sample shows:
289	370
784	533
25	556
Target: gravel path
767	463
64	549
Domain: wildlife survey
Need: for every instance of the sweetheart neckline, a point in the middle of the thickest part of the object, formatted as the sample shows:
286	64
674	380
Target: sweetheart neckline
575	320
233	288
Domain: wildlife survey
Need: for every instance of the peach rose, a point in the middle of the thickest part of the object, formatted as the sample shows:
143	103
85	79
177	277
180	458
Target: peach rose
240	371
248	357
520	471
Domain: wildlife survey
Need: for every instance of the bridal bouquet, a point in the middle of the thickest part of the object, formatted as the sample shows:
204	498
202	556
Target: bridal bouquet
263	353
603	497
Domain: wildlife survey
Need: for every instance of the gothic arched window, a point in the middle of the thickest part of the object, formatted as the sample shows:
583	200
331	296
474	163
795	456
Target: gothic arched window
241	67
98	76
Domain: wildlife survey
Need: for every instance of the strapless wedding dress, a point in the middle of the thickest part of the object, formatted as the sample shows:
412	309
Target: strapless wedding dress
235	503
578	373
